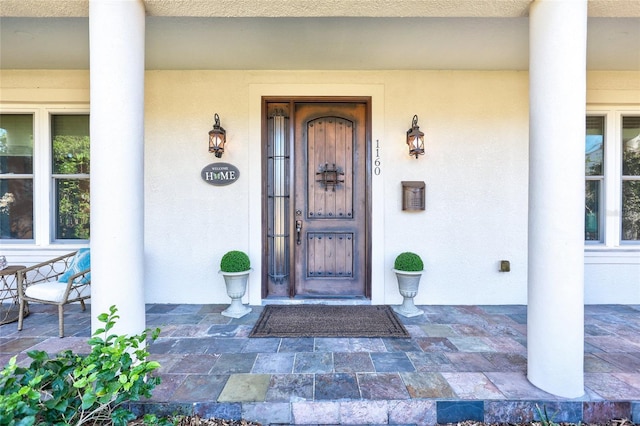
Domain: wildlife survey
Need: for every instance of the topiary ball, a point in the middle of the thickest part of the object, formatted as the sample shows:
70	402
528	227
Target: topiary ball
235	261
409	262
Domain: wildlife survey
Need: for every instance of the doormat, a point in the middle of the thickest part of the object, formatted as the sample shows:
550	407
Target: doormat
328	321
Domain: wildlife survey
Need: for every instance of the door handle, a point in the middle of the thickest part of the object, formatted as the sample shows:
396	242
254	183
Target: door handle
298	231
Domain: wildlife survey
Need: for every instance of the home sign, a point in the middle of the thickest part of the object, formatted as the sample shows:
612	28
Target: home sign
220	174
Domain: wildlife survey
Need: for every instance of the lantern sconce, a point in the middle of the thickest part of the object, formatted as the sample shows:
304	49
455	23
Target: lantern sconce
415	138
217	137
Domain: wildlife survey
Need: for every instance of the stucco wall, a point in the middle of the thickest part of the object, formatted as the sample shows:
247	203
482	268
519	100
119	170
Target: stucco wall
476	172
475	169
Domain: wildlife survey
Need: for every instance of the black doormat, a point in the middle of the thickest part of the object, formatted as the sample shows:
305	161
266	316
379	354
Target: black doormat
328	321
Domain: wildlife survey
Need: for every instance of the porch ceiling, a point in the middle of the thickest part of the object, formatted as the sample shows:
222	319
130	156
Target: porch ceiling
336	34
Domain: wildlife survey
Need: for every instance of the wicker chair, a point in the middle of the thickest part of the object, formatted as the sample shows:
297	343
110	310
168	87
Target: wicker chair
60	281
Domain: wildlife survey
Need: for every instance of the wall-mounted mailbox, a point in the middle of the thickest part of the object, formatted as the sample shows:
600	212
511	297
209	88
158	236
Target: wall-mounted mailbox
413	195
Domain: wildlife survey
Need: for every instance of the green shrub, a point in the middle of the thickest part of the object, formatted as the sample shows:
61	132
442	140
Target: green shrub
80	389
235	261
409	262
545	419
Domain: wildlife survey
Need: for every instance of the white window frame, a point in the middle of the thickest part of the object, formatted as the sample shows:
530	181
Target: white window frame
43	199
611	209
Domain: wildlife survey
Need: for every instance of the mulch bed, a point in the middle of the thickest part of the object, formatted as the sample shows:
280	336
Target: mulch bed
197	421
615	422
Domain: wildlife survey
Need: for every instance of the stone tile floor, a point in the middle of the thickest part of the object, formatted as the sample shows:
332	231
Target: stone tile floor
461	363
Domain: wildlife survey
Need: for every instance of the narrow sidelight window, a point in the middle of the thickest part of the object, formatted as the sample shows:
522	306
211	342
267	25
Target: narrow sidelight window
278	194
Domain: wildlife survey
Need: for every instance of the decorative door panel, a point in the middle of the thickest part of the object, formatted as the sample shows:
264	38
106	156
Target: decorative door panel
330	171
329	255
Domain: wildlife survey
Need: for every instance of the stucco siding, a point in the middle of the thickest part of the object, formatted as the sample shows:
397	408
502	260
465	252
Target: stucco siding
475	168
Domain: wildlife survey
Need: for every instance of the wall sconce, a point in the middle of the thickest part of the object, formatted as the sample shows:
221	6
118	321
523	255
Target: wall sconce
415	138
217	138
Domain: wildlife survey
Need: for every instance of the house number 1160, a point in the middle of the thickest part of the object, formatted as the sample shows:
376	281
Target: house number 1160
377	161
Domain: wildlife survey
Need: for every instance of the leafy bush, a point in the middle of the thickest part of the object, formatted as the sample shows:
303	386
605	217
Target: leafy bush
409	262
235	261
75	389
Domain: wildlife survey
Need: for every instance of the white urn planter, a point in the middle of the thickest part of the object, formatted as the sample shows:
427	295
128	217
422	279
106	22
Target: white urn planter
408	267
235	267
408	284
236	283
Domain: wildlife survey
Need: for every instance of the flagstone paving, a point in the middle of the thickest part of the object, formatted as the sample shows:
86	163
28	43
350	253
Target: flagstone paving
461	363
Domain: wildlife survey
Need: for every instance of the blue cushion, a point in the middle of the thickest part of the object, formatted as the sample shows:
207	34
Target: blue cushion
80	262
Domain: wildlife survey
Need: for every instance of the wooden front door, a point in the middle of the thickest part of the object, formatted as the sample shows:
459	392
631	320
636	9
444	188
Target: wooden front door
328	208
329	202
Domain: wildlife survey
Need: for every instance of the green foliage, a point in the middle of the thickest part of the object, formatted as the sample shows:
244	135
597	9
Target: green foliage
71	154
73	389
18	401
235	261
152	419
3	141
545	419
631	162
409	262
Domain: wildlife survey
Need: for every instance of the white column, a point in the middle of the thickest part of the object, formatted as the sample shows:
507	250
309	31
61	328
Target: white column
557	78
116	30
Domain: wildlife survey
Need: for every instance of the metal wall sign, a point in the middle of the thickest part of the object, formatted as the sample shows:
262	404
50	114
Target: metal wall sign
220	174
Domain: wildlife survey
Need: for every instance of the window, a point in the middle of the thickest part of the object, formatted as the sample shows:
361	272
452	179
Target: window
16	176
594	169
70	165
612	173
631	178
44	176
